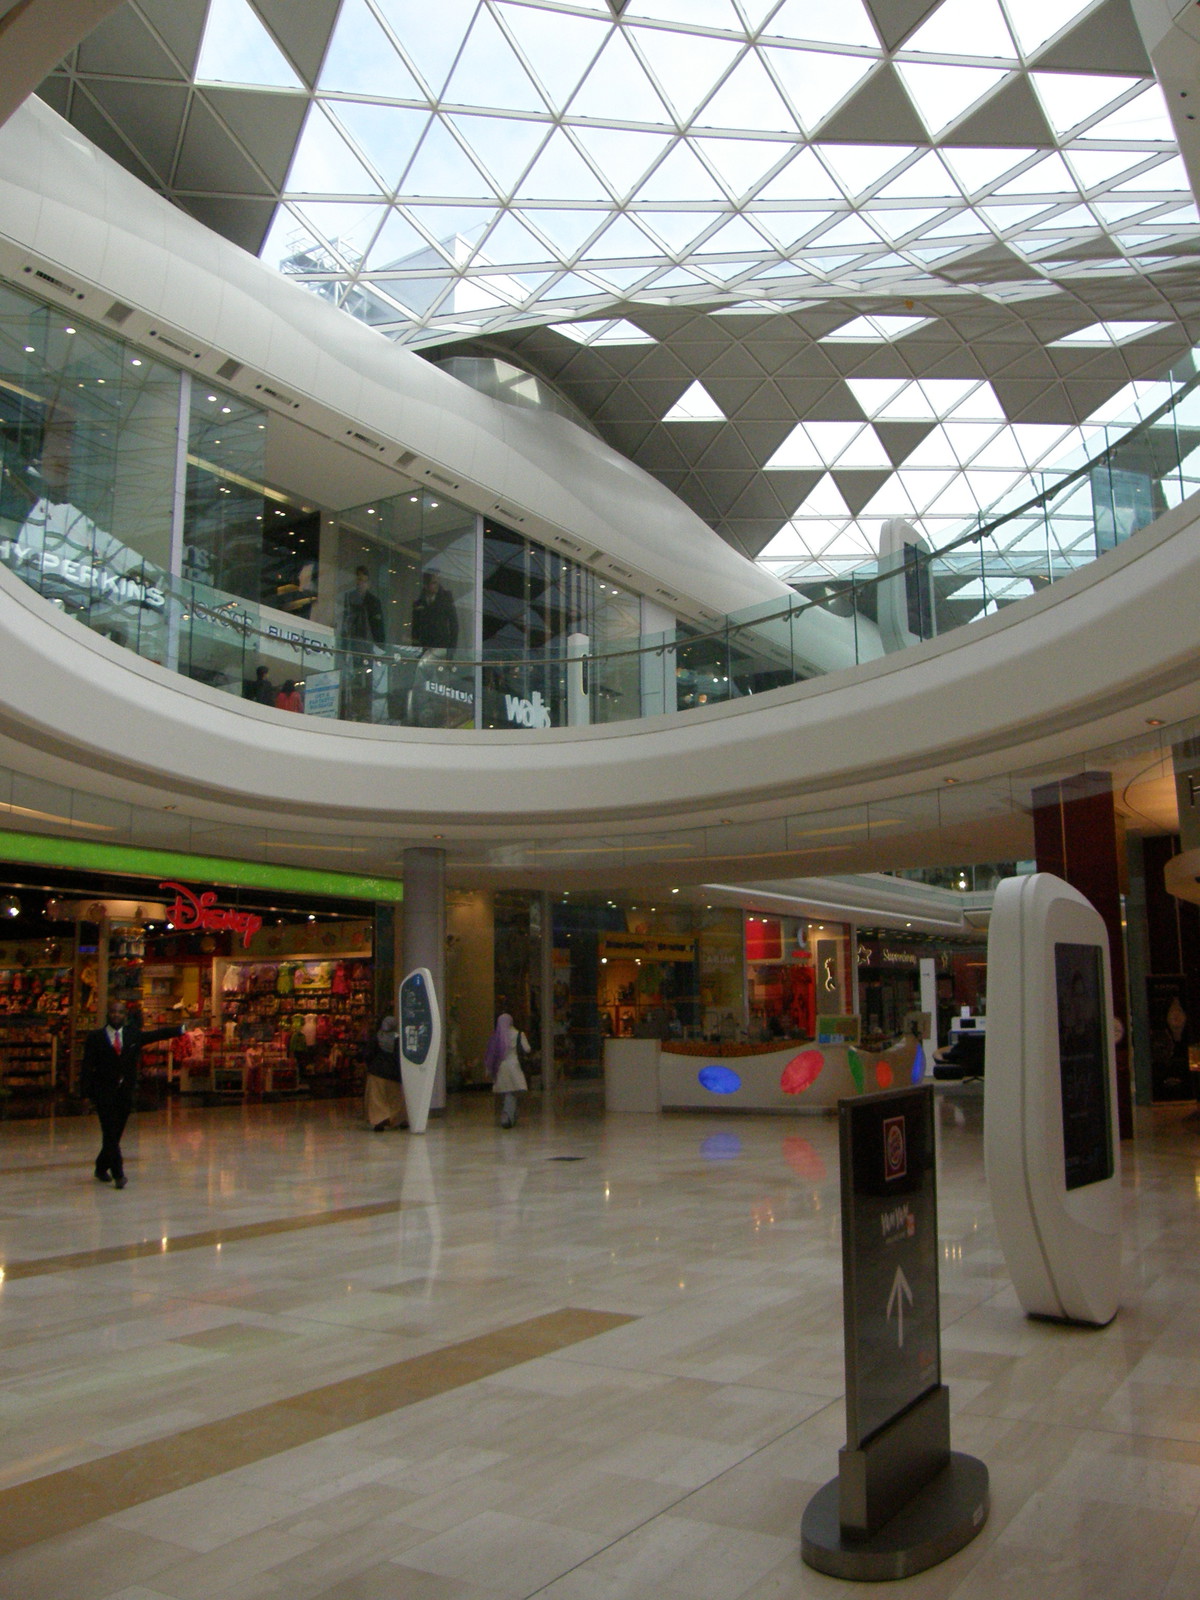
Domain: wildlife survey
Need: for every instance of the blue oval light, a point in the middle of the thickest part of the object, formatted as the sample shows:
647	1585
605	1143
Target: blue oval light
721	1147
719	1080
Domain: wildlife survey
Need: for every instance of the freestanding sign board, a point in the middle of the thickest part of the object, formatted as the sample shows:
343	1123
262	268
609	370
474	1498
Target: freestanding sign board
420	1039
902	1500
889	1258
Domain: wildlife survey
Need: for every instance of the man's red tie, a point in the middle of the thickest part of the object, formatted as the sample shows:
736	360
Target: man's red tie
117	1043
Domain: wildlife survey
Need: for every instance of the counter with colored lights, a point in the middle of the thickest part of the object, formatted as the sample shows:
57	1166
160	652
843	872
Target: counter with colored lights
801	1077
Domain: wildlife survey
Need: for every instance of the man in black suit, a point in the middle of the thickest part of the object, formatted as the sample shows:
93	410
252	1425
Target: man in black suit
109	1079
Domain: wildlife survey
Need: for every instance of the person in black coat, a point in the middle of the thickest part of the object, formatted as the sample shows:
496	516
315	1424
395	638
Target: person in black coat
111	1056
434	617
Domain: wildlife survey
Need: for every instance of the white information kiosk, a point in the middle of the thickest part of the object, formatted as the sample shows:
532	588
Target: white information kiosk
1050	1134
420	1041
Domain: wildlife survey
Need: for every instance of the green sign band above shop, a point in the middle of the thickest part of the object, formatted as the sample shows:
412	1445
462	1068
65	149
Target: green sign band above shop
46	850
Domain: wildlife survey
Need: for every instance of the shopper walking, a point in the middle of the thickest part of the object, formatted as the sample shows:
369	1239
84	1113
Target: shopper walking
111	1057
502	1063
383	1097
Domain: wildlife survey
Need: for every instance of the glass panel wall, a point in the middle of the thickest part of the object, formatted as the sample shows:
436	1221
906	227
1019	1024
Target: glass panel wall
87	471
404	604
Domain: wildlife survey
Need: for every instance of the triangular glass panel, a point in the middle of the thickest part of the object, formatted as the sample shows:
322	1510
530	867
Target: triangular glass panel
864	451
926	178
980	405
1113	211
362	60
622	332
786	227
703	13
1093	167
966	438
720	271
1036	21
237	48
622	239
458	229
737	236
618	79
1070	98
896	224
681	177
1011	216
442	167
889	500
965	224
854	229
677	278
623	278
430	35
977	169
1077	217
504	145
397	241
873	394
813	81
1037	440
1183	217
824	499
558	46
624	156
741	163
860	166
347	226
324	163
804	178
958	395
685	65
572	287
677	229
288	240
1050	176
1031	247
695	404
386	135
748	99
797	453
943	93
964	28
1163	179
566	230
1003	453
510	242
1144	117
560	173
488	73
823	22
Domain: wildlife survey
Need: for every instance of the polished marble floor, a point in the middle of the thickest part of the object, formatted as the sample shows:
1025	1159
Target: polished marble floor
294	1358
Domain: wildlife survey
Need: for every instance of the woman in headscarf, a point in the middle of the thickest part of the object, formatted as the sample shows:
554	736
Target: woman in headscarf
382	1096
502	1063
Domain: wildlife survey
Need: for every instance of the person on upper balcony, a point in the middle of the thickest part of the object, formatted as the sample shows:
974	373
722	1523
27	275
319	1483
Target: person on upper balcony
434	622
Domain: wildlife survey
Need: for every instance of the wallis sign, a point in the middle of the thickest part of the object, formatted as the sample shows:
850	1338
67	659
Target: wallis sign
192	910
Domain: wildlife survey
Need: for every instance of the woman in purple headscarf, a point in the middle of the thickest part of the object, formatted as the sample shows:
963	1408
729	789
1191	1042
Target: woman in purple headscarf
502	1063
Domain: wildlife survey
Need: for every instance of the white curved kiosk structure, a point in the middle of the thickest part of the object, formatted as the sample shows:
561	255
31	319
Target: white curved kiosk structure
1050	1136
420	1041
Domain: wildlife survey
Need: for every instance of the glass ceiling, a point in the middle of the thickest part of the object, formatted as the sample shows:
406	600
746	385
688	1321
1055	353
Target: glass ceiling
485	164
488	165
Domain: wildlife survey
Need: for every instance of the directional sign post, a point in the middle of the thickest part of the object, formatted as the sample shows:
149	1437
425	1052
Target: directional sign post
420	1040
902	1500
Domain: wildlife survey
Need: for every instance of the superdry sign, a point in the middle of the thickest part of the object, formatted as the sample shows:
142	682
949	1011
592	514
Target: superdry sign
192	910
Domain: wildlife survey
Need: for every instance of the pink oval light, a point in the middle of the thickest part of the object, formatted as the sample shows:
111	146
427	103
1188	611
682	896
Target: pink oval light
883	1074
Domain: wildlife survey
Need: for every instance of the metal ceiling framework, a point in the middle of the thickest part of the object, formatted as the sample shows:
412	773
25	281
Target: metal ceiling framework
681	211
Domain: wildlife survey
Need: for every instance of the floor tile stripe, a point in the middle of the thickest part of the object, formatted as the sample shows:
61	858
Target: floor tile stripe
62	1501
38	1266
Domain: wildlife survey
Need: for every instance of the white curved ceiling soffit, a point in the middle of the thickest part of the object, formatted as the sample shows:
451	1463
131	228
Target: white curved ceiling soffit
807	261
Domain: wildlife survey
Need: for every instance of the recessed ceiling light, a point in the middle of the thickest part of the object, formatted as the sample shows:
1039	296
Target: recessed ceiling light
1155	722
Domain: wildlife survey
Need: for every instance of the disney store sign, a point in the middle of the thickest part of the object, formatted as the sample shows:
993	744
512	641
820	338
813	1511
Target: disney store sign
192	910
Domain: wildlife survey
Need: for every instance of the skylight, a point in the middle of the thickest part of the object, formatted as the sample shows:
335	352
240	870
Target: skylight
1108	333
695	404
236	48
875	330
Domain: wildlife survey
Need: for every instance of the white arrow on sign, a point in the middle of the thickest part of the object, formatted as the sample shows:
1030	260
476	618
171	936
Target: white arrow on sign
900	1290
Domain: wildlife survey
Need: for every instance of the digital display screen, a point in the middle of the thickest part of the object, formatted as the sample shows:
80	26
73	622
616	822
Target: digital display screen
1083	1064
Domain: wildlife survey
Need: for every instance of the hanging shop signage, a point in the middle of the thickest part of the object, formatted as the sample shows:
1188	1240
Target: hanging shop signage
192	910
530	713
82	574
638	947
891	955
